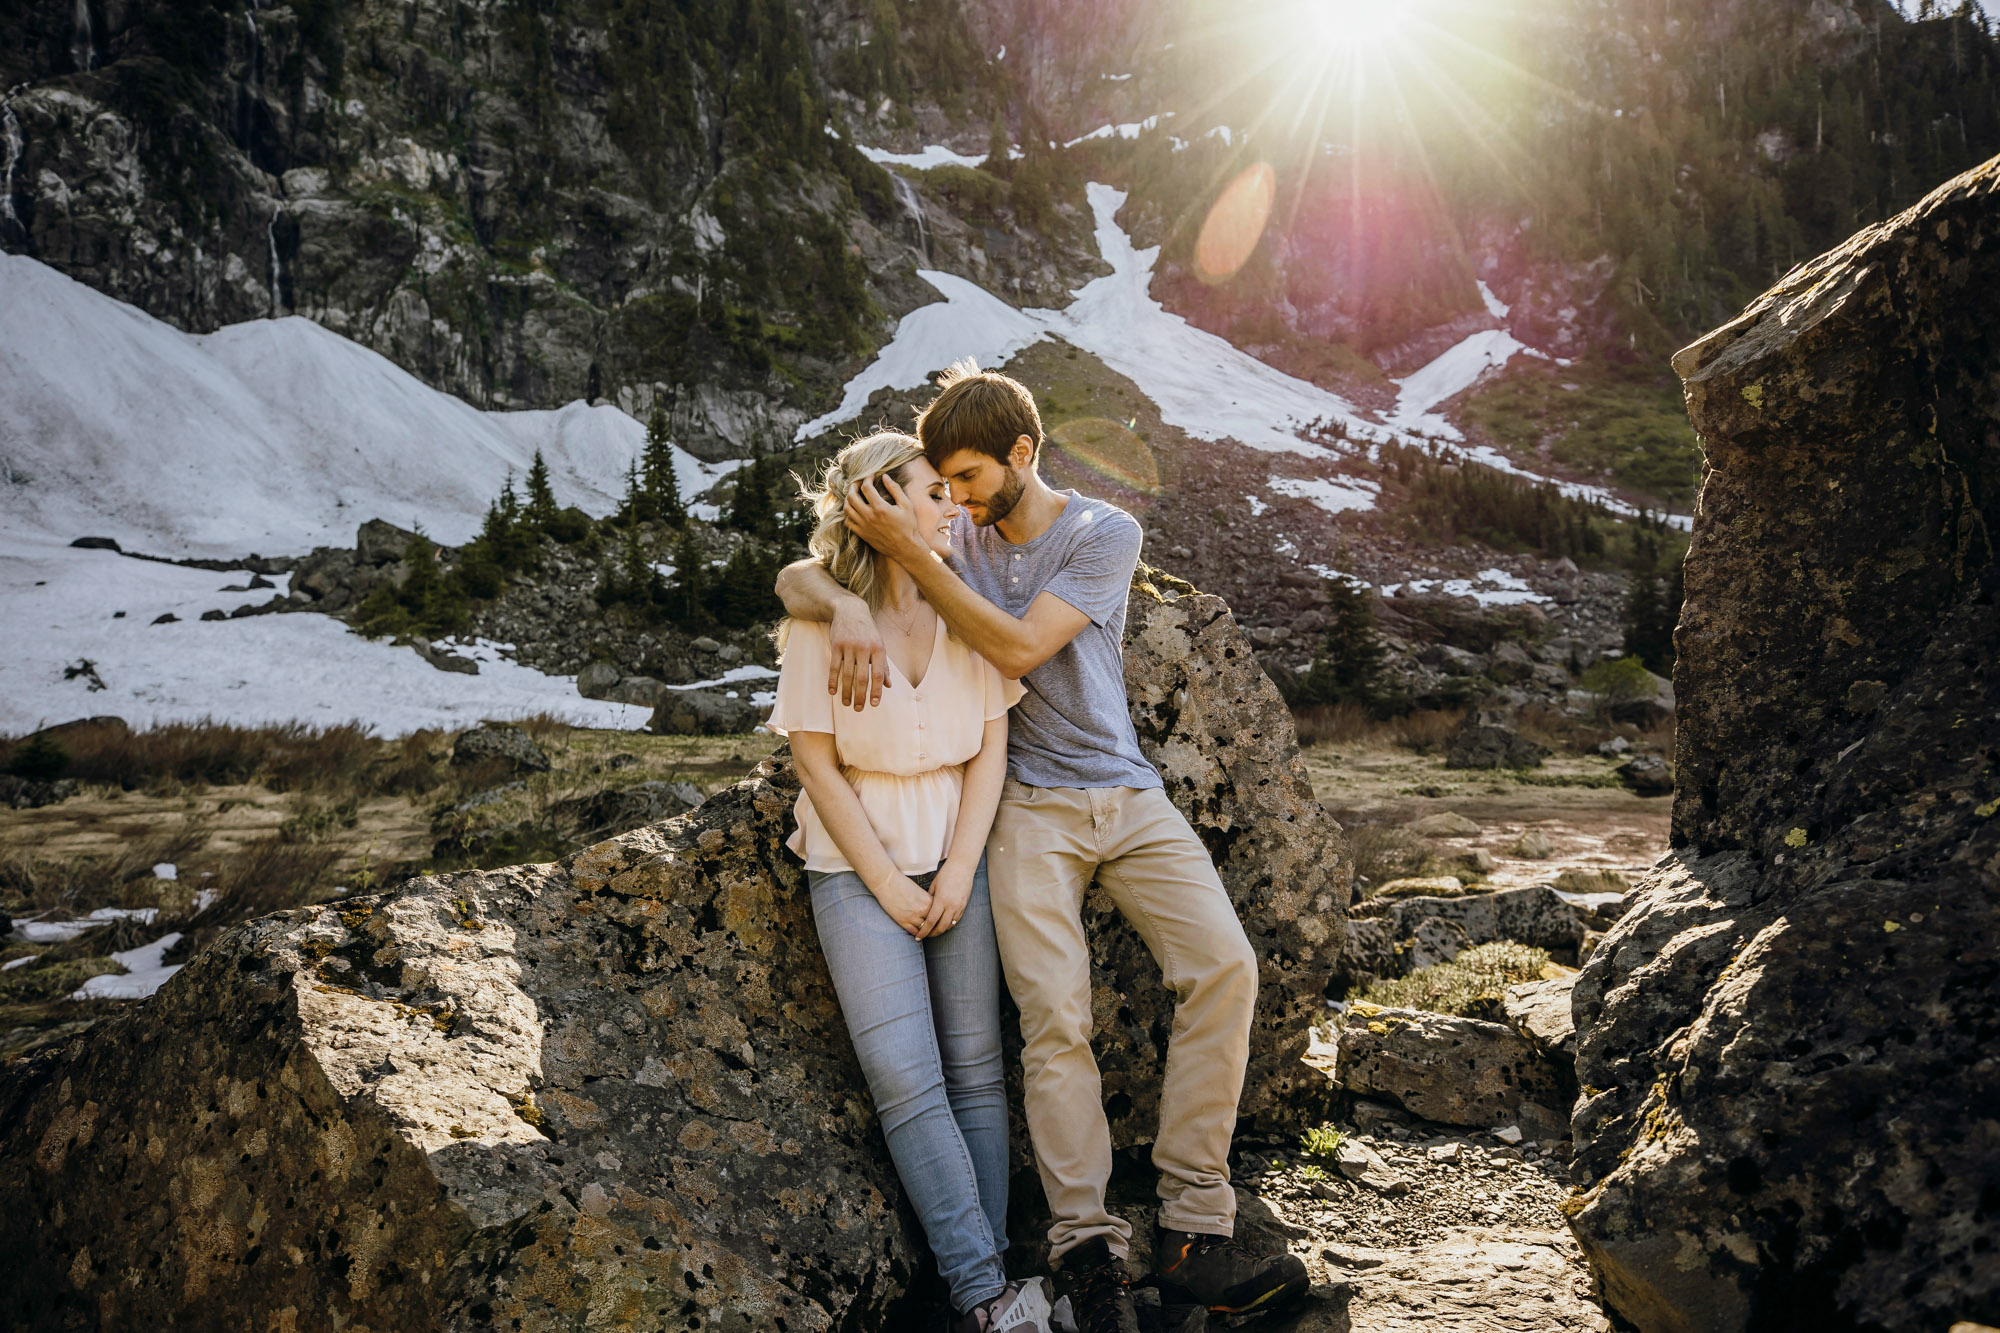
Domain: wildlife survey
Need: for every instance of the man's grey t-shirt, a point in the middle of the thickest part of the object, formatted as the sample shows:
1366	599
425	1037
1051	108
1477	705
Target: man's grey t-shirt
1072	728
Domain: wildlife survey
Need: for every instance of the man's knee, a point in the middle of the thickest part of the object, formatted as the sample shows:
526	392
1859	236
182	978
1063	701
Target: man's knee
1227	975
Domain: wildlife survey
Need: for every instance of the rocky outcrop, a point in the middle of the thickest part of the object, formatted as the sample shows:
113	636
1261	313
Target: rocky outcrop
1455	1071
1488	740
615	1087
1786	1045
500	743
702	713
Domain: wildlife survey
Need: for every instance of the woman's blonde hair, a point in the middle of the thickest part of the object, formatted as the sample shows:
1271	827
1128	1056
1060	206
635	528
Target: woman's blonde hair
845	556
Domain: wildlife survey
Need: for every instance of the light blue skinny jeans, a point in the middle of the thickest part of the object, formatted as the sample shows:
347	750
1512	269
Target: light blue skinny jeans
924	1016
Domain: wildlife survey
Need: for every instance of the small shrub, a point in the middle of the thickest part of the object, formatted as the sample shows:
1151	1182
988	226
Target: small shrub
569	526
40	758
1383	852
1334	724
1621	680
1321	1142
1469	986
1429	729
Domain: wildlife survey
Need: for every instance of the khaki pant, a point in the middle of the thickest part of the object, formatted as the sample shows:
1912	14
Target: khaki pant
1047	844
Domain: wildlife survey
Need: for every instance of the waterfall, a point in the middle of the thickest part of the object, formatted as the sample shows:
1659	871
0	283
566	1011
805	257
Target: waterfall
256	49
277	272
915	208
82	44
11	128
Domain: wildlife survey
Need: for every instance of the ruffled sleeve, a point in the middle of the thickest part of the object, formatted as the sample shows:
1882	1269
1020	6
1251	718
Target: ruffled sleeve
803	703
1001	693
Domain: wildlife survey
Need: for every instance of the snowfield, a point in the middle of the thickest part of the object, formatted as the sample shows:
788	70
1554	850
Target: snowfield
1200	382
272	436
58	607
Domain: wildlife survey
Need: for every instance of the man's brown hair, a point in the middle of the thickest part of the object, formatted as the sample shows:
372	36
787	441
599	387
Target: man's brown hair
980	410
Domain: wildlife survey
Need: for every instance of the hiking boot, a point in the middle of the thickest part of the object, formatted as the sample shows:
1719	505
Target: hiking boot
1099	1289
1020	1308
1225	1276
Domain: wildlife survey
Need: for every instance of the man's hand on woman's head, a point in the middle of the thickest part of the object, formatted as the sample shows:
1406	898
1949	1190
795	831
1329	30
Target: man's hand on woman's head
878	511
859	670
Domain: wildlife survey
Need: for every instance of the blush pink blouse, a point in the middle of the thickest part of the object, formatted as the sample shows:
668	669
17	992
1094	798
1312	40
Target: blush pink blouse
905	757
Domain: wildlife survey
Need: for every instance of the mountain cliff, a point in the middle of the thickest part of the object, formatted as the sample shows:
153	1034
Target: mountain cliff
541	200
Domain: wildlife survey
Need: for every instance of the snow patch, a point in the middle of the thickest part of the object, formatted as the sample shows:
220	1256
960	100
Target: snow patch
748	671
1129	130
144	973
1257	506
1336	495
1494	305
1490	587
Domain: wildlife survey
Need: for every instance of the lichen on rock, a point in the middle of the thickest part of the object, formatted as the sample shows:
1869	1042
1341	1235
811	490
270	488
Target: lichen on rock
1785	1046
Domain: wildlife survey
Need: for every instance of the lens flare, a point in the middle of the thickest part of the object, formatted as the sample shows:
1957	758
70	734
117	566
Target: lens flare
1110	450
1234	224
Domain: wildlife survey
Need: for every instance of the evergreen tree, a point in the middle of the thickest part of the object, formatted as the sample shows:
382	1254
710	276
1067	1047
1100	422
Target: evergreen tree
426	602
686	595
753	508
1652	609
742	595
662	492
639	579
1348	669
999	151
541	498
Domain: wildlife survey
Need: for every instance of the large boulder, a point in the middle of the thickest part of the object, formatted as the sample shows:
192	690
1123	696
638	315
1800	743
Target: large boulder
613	1091
1786	1046
1455	1071
500	743
380	542
1488	740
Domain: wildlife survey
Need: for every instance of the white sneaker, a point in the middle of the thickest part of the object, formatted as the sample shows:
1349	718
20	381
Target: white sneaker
1021	1308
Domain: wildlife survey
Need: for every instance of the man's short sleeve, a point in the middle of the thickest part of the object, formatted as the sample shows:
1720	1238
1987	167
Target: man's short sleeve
1096	577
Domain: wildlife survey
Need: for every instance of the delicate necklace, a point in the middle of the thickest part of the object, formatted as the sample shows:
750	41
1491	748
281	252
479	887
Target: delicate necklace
908	627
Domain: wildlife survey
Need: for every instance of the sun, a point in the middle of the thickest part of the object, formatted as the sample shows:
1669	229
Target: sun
1358	23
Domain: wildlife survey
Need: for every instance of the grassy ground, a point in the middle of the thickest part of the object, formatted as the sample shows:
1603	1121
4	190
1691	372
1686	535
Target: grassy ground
270	818
1624	425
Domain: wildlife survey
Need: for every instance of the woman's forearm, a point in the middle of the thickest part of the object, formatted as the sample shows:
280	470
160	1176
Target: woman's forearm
839	809
979	797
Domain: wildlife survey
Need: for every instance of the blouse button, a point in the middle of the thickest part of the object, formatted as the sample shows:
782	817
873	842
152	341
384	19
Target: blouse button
922	755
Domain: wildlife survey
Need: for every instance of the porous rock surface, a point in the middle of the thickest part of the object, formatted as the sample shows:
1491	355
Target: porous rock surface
611	1092
1787	1046
1454	1071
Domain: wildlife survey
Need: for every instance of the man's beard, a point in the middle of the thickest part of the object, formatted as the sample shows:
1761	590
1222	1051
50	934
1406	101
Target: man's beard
1001	503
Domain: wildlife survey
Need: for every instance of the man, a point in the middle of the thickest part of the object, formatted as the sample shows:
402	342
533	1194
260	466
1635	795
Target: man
1040	592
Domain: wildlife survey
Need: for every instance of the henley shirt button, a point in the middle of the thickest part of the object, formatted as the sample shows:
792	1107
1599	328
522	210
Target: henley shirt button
1016	579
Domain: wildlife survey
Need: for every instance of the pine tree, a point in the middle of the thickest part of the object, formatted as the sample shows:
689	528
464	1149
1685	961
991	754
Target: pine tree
634	509
1348	669
686	596
753	509
999	151
1652	609
639	578
541	499
662	492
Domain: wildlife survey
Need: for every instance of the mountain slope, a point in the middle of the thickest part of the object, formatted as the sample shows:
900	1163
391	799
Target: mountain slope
274	435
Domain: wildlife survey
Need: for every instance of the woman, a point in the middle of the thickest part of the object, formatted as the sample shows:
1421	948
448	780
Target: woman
892	827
